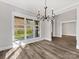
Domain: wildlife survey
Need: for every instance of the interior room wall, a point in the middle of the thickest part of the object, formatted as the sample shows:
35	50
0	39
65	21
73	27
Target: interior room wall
6	11
48	30
66	16
5	26
69	29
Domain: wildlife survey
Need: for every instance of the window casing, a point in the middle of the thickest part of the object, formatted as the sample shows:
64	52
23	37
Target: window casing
26	28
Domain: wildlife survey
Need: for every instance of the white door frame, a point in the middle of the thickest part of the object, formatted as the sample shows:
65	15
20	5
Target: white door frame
61	25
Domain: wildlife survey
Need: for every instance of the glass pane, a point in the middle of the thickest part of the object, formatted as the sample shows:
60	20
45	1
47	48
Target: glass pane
29	32
29	28
29	22
19	34
36	28
19	28
36	31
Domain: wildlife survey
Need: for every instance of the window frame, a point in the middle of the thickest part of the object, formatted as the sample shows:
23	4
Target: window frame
23	16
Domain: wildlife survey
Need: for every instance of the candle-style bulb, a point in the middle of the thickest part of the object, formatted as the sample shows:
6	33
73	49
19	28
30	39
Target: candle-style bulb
52	11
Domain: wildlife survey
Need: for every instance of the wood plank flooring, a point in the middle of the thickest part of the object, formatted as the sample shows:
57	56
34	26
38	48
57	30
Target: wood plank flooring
2	54
43	50
65	41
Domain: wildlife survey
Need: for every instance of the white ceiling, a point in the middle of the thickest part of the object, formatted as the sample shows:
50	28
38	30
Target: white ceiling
35	5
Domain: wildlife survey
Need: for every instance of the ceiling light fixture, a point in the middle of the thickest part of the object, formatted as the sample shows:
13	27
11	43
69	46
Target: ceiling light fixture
45	16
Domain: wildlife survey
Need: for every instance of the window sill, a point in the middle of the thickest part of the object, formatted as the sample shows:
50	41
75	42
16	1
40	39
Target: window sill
24	42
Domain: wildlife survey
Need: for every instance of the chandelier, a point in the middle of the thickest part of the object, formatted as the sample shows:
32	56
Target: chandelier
45	16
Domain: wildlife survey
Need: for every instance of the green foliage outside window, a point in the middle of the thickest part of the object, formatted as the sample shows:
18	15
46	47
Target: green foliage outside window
20	29
29	32
19	34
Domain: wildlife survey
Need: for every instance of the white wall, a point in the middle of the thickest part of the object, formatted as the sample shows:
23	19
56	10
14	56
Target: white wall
48	30
64	17
69	28
5	26
77	28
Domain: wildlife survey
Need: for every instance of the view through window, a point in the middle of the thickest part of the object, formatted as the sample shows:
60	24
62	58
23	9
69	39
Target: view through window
26	28
29	28
19	28
37	29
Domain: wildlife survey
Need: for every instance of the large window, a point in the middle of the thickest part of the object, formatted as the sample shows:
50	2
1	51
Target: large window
26	28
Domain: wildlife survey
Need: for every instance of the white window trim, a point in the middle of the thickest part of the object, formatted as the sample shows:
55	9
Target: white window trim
25	17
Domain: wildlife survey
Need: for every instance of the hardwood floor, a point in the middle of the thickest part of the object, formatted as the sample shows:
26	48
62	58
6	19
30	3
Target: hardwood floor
59	48
43	50
2	54
65	41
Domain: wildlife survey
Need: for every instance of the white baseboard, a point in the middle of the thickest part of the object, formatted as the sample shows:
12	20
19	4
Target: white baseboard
61	35
49	39
33	40
54	35
5	48
57	36
70	35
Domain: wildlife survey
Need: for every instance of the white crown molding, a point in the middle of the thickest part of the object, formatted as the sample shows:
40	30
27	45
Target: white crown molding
23	15
69	21
65	9
68	8
6	2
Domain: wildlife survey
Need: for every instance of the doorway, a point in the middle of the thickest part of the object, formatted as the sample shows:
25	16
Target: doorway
69	29
69	33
